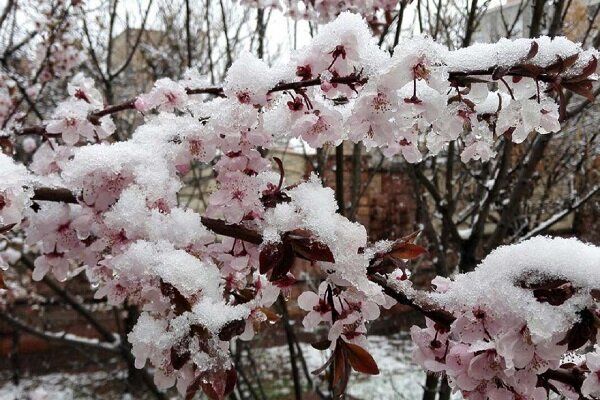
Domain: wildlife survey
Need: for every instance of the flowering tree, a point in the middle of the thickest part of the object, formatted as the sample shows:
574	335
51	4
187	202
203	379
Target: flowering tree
109	208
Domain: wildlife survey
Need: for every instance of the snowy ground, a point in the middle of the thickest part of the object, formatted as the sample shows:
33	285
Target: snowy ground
399	378
63	386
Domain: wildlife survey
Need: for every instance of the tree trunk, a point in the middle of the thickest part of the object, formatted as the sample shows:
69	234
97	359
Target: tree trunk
339	178
445	390
430	389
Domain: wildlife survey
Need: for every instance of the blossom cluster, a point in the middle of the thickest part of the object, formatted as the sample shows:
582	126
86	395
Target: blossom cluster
517	323
71	119
125	228
133	241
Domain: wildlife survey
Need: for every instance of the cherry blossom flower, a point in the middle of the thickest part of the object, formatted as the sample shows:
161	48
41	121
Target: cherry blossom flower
249	80
166	95
525	116
70	120
319	310
478	144
82	88
14	197
237	197
319	127
591	384
372	120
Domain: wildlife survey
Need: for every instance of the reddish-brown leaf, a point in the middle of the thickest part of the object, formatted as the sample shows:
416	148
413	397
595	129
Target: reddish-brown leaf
552	291
562	64
200	332
305	246
341	369
270	255
582	88
406	251
281	269
411	237
361	360
230	381
245	295
385	265
271	316
589	69
321	344
178	301
570	61
533	50
179	357
312	250
555	294
193	388
231	329
209	390
583	330
218	384
6	228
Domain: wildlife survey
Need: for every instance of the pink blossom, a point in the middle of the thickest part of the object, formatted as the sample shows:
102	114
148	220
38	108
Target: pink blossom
319	127
591	384
166	95
319	310
237	197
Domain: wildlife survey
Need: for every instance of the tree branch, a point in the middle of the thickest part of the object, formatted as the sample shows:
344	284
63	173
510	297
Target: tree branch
547	224
62	337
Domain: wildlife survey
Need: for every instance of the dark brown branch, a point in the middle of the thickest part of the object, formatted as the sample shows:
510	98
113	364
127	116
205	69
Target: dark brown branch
7	9
289	334
54	194
431	311
536	18
441	206
216	91
339	178
568	377
135	46
236	231
520	190
128	105
62	337
76	305
470	28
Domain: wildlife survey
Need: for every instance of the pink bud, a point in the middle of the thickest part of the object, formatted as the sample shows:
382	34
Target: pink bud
326	86
140	105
